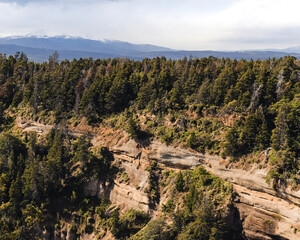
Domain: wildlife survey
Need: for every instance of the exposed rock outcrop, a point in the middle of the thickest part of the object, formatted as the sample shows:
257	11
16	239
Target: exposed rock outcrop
125	195
265	213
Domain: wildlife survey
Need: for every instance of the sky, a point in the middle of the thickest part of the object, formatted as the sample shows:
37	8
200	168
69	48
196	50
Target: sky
178	24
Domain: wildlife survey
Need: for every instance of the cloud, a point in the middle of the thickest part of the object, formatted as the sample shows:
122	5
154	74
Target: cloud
189	24
23	2
257	23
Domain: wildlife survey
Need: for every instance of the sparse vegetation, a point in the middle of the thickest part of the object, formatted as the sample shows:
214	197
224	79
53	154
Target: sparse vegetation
203	213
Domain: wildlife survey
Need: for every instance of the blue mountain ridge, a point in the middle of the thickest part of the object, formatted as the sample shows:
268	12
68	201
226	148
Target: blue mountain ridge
39	48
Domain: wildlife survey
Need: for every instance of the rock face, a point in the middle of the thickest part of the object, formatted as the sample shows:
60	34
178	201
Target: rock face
131	194
263	212
125	195
95	187
265	216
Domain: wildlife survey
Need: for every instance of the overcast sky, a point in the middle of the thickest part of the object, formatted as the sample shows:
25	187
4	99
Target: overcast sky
178	24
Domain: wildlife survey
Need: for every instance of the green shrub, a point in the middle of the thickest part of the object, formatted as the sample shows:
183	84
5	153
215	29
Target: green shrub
180	183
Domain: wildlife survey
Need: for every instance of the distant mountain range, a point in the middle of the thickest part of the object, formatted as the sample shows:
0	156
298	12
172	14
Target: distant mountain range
39	48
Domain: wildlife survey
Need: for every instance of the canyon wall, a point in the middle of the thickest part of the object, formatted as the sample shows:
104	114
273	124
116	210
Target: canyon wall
265	213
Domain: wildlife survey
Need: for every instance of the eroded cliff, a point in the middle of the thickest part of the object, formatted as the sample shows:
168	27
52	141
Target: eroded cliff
264	212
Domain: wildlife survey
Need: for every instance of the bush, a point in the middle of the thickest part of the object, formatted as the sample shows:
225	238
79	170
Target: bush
180	183
133	129
169	206
129	223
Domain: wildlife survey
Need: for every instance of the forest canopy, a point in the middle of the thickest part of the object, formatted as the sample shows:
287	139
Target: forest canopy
264	93
186	101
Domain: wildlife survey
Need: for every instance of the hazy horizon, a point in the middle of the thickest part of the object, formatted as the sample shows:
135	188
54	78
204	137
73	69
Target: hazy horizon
142	43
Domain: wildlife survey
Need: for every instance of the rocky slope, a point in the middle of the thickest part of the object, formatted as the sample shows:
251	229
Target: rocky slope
263	212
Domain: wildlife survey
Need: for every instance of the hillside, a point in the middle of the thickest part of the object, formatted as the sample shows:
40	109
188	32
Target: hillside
275	212
117	149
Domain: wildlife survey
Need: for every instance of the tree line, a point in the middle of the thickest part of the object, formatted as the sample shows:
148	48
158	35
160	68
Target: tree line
264	93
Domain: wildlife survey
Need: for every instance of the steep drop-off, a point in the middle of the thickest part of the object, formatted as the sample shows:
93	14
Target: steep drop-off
264	212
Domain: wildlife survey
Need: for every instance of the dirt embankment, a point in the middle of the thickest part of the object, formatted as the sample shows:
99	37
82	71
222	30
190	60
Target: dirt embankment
264	212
